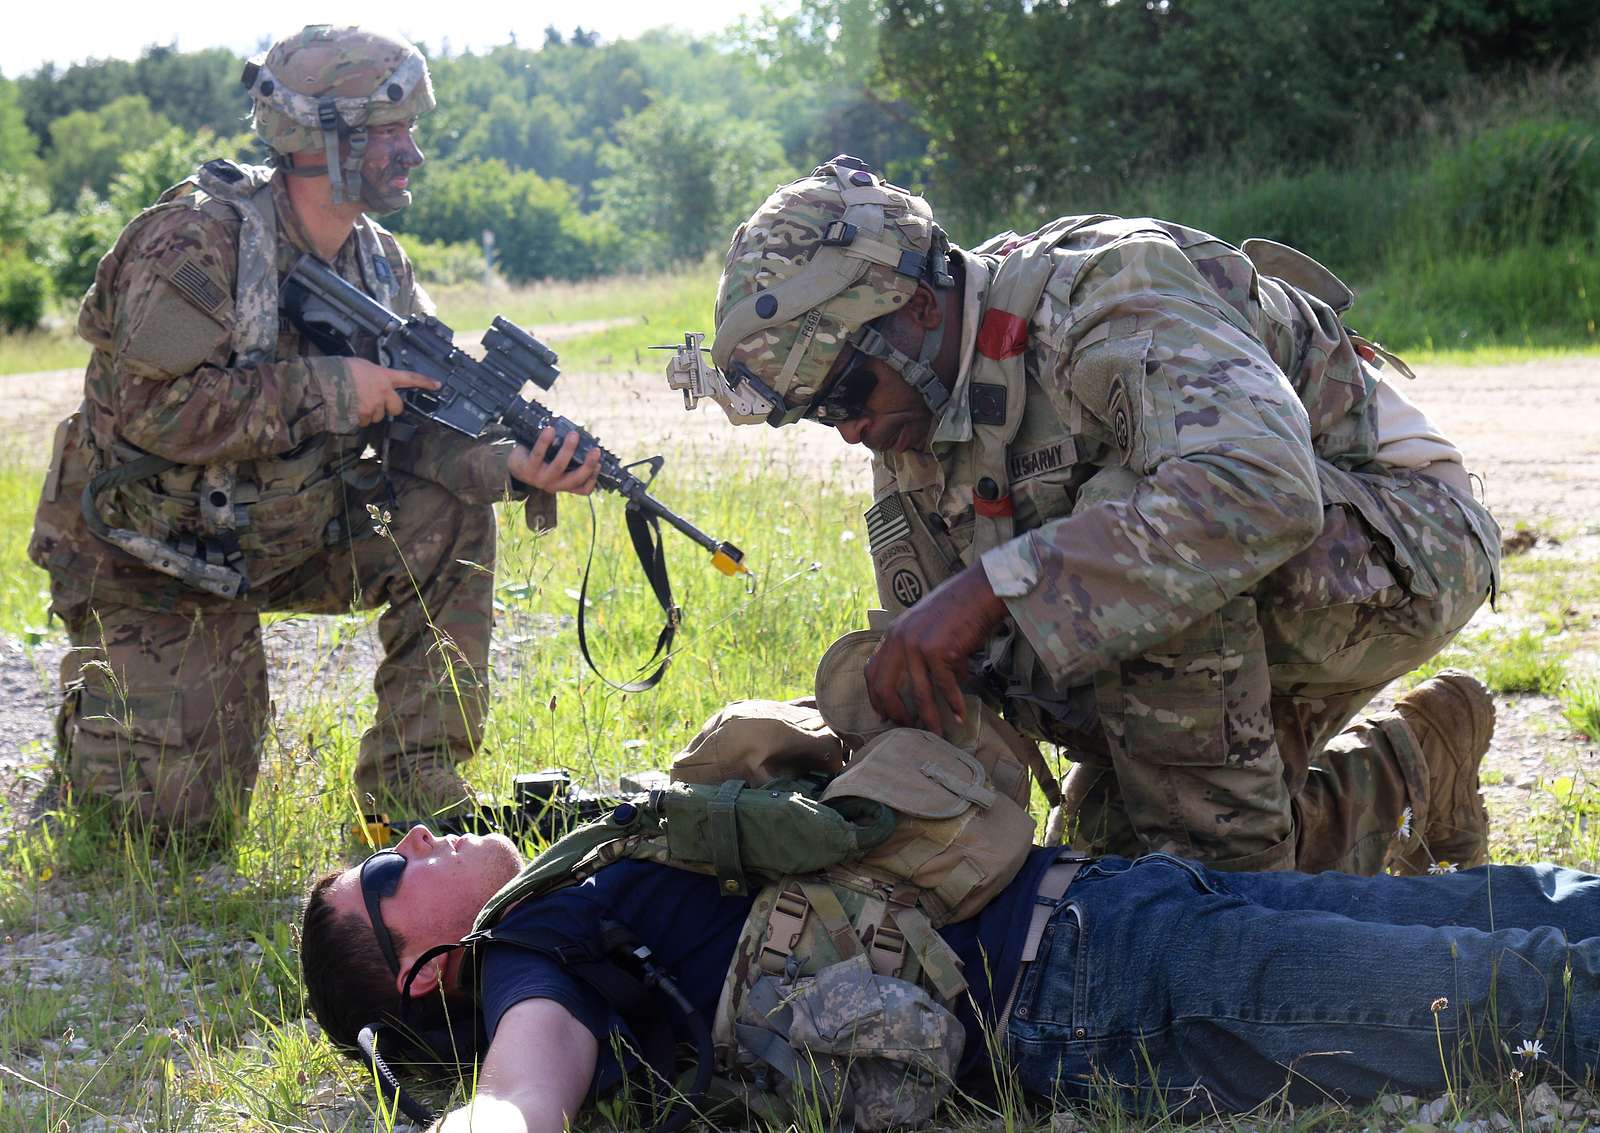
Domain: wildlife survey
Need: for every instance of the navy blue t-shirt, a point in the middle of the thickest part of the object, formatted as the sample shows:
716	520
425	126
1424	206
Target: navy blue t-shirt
692	929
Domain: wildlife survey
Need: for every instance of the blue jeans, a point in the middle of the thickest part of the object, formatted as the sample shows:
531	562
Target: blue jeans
1224	989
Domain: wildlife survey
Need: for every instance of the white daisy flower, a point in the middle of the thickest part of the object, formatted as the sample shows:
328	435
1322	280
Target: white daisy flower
1443	867
1403	829
1530	1049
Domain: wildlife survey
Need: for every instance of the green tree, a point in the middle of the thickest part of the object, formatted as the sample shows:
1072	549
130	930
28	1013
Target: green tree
19	149
142	176
194	89
682	177
87	147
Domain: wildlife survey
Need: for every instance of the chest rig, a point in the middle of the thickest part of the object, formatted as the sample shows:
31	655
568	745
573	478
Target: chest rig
200	546
918	534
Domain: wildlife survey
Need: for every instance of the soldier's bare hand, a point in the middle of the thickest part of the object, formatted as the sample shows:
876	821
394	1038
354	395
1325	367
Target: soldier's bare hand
549	471
925	652
378	389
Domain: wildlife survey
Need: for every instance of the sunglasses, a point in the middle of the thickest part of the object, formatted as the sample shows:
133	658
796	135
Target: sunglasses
846	398
380	877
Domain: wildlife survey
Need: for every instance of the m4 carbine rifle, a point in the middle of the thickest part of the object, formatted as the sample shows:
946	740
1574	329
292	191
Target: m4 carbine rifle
474	395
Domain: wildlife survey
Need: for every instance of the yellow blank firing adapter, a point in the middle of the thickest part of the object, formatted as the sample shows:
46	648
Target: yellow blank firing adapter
729	559
374	831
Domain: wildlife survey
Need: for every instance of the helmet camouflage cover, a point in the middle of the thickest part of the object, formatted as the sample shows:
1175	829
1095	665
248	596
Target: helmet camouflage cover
367	78
821	258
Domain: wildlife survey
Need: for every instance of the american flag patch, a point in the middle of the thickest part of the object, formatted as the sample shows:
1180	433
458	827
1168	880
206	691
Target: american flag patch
198	287
886	522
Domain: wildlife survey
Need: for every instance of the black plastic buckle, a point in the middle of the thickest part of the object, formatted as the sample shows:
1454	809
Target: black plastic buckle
911	264
839	234
328	115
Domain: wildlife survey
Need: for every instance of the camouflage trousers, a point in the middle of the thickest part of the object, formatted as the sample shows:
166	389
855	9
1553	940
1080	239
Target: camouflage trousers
164	713
1232	743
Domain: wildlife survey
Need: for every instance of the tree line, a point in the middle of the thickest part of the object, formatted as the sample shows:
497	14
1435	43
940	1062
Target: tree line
584	157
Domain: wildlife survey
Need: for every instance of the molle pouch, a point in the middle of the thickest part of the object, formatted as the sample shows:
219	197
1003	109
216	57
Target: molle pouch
955	837
858	1043
759	741
67	458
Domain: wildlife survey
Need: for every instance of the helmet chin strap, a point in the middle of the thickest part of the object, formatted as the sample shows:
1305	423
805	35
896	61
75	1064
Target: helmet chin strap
918	372
341	174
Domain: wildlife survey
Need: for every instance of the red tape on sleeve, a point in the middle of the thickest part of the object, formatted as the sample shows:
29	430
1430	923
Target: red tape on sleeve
993	509
1002	335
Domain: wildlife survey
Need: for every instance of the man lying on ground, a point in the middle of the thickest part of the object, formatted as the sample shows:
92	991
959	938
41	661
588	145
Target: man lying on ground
1221	989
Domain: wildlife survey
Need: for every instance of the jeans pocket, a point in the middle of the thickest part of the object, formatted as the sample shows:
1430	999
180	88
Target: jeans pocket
1052	988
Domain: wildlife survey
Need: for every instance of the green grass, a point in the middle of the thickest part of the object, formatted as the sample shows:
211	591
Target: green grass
42	350
1543	623
1580	705
655	310
23	589
1532	298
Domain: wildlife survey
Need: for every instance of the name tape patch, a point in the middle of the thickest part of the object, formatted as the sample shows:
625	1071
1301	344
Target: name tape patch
1036	462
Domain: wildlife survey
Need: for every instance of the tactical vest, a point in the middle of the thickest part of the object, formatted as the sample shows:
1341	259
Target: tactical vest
187	521
914	549
840	986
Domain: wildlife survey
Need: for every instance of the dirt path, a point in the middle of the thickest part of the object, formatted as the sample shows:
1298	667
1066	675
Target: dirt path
1532	430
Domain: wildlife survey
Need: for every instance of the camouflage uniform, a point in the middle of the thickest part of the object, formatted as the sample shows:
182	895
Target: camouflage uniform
165	692
1210	546
1166	461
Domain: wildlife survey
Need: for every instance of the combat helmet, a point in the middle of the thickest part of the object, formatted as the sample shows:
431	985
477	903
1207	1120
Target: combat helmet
327	83
806	276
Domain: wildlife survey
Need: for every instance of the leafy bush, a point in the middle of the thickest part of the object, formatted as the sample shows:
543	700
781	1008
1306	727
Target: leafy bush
1533	296
24	290
536	224
442	265
91	229
1580	704
1344	215
1530	182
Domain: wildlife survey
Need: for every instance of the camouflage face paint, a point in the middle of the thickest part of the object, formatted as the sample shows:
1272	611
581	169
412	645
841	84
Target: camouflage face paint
385	170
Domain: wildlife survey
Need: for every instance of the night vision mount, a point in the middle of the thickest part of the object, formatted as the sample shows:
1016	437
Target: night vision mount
745	398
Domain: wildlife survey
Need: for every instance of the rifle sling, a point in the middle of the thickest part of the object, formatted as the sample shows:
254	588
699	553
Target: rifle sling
645	532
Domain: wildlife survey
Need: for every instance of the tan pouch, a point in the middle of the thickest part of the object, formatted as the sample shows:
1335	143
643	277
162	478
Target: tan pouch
58	455
1006	755
955	837
759	741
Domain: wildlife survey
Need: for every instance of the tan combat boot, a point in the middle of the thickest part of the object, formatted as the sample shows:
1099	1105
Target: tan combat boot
1452	717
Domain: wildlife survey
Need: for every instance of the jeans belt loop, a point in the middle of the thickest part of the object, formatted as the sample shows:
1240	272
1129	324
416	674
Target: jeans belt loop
1047	898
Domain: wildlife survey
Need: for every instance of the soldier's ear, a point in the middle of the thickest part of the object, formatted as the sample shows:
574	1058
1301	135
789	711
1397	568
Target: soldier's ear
426	981
923	307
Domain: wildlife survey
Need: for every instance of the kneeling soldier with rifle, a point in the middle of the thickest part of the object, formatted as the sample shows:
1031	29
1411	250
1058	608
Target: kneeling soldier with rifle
218	467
